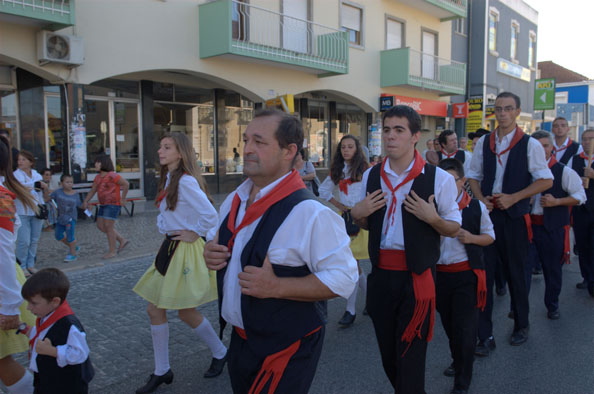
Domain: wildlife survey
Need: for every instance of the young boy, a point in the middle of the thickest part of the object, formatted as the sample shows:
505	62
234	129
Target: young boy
461	285
59	351
67	201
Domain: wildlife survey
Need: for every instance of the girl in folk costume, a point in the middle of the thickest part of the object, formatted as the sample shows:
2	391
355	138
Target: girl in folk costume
344	181
12	308
179	278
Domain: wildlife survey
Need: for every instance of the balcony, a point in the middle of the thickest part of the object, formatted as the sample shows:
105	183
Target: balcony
47	14
229	27
443	9
407	67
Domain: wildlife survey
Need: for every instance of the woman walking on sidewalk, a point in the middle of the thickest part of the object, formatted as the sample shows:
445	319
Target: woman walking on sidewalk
179	279
107	185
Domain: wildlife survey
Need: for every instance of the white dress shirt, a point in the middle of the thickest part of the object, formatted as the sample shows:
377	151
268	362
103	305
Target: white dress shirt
29	183
537	163
75	351
454	251
445	197
571	183
193	210
311	235
560	150
467	158
328	190
10	288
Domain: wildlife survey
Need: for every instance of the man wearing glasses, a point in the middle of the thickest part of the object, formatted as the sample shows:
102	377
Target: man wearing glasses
507	168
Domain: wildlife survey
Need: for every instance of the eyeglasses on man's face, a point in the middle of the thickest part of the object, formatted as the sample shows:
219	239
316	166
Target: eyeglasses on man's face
509	108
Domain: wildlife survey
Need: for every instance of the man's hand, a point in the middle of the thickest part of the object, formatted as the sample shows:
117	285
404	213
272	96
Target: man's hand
215	255
45	347
465	237
184	235
548	201
589	172
504	201
371	203
488	201
259	282
9	322
422	209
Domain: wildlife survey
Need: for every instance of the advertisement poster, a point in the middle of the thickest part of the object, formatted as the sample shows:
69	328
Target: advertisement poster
475	114
78	149
375	140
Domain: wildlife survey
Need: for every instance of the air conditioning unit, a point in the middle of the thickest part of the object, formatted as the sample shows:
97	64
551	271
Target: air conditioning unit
59	48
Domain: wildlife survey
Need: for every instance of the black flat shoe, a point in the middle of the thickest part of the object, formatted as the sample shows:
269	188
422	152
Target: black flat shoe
519	337
501	291
347	319
483	348
554	315
582	285
155	381
450	371
216	367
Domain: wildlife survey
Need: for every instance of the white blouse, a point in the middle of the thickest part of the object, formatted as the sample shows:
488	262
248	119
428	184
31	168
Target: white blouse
328	190
10	288
29	183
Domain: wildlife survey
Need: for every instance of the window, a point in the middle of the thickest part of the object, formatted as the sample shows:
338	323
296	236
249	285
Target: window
351	22
493	22
532	50
513	47
394	33
460	26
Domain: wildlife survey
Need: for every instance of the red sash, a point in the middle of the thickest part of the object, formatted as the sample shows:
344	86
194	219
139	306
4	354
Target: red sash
7	209
343	185
566	248
286	187
60	312
518	134
481	285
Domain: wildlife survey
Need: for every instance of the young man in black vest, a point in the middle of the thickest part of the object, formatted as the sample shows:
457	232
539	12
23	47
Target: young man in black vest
277	252
564	147
448	140
583	215
506	191
461	285
406	205
550	223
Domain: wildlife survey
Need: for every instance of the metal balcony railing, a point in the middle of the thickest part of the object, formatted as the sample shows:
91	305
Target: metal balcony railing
49	14
60	7
458	4
436	73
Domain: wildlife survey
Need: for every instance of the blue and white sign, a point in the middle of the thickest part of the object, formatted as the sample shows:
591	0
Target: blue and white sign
513	70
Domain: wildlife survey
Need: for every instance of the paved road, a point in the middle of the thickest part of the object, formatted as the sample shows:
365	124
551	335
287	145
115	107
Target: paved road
558	358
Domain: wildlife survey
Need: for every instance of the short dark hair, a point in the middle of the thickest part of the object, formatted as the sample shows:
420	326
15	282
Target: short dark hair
5	132
452	165
443	136
106	163
48	283
64	176
540	134
28	155
289	130
559	118
46	170
510	95
404	111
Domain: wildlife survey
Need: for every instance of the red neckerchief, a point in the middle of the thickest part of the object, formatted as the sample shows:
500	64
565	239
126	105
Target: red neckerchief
518	134
552	161
448	155
343	185
60	312
7	209
286	187
464	201
417	168
561	149
160	197
583	156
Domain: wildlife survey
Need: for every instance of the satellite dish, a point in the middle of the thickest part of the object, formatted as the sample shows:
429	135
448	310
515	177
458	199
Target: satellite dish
57	47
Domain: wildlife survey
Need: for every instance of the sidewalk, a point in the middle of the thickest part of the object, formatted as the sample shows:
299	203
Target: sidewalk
141	230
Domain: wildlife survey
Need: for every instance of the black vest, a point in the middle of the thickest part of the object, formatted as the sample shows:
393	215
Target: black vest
570	151
515	177
471	222
556	217
578	164
460	156
72	379
421	241
272	324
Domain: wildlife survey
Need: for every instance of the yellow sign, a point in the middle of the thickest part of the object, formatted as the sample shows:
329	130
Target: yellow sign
475	114
284	102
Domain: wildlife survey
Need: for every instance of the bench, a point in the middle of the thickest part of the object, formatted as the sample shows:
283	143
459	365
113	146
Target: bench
130	211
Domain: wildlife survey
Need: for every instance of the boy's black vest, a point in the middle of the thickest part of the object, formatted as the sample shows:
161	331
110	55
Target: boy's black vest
578	163
471	222
556	217
515	177
421	241
570	151
272	324
460	156
71	379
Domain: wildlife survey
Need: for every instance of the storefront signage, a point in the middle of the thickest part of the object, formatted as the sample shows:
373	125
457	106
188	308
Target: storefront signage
490	112
459	110
374	140
513	70
544	94
284	102
475	114
386	102
422	106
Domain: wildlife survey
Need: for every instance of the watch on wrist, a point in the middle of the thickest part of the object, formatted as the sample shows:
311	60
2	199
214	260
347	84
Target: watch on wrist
22	329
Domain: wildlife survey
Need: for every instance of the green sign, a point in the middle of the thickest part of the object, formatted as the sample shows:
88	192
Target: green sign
544	94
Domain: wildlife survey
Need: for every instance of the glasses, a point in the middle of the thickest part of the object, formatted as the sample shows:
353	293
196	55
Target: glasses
509	108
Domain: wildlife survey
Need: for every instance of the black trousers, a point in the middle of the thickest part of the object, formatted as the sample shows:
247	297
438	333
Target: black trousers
583	229
456	304
244	365
549	247
391	303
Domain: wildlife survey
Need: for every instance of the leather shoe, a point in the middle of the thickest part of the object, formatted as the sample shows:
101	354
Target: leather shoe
519	337
484	347
347	319
510	315
582	285
591	289
554	315
501	291
536	271
155	381
459	391
450	371
216	367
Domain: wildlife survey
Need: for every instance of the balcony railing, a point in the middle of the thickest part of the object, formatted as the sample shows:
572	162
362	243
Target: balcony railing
442	9
234	27
51	14
457	7
407	66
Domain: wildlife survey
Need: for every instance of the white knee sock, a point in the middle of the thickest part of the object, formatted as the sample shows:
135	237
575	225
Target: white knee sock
160	334
208	335
352	301
363	283
23	386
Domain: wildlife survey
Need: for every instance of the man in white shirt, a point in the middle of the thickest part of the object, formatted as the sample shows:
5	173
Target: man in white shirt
401	291
506	192
564	147
278	252
448	140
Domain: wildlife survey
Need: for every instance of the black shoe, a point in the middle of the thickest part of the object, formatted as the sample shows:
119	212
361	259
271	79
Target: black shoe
501	291
519	337
510	315
459	391
575	249
582	285
450	371
591	289
216	367
347	319
536	271
155	381
554	315
483	348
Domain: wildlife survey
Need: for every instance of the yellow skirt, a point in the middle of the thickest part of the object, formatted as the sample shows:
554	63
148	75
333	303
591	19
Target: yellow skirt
10	341
187	284
359	245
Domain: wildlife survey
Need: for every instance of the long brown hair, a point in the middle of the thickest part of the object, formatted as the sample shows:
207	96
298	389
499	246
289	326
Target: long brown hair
187	165
22	193
358	162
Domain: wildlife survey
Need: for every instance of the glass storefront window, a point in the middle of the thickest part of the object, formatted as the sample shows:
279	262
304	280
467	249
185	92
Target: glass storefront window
316	133
8	118
55	133
239	111
350	120
97	133
113	87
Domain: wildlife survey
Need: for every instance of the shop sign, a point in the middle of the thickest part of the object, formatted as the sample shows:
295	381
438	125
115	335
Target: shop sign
423	106
544	94
475	114
386	102
285	103
374	140
513	70
490	112
459	110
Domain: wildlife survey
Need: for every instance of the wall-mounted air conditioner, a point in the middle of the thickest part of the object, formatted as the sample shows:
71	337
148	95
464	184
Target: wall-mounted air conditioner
59	48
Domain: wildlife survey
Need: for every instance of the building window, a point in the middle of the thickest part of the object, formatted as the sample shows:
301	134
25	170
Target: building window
394	33
493	22
513	47
532	50
351	22
460	26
